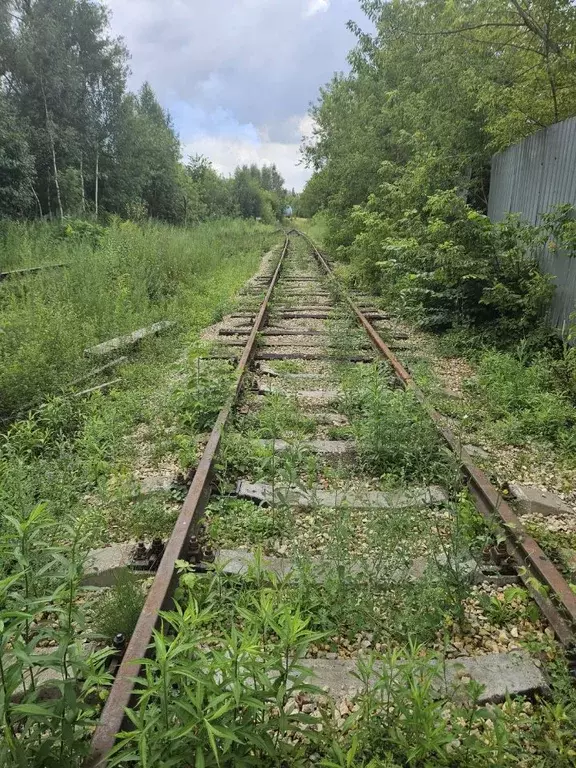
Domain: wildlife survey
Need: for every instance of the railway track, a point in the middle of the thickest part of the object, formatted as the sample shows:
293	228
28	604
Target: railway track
298	336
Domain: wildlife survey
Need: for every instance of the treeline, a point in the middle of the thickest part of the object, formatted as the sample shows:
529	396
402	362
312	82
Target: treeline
403	144
74	141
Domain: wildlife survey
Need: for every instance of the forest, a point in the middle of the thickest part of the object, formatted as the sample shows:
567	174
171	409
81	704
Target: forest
75	142
402	148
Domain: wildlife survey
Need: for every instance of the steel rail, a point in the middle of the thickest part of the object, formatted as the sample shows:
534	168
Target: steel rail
531	560
165	580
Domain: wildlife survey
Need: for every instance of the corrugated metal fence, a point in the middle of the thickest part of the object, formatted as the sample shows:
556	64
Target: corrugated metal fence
530	178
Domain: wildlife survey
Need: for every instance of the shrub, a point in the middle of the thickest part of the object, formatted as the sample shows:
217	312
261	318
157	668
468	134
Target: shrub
444	264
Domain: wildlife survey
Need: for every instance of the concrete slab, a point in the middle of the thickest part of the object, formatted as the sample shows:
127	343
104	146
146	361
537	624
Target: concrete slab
358	499
318	377
324	447
500	674
431	567
331	419
534	500
156	484
310	396
102	565
130	339
238	561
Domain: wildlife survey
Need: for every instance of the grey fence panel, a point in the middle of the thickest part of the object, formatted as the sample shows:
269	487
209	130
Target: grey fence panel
530	178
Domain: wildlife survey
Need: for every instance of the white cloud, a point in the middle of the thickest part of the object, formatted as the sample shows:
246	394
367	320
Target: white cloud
227	153
237	77
316	6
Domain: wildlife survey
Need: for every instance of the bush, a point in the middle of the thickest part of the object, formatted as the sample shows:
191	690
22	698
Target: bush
80	230
446	265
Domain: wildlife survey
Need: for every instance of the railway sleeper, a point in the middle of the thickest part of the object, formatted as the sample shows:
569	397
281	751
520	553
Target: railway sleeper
362	499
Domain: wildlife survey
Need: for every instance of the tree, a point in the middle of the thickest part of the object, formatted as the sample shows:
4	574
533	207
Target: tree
16	166
64	73
431	95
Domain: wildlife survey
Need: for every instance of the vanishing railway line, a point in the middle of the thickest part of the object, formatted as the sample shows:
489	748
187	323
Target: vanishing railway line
288	345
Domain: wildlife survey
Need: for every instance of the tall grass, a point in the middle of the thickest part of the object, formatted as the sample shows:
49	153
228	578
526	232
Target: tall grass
316	227
135	276
32	244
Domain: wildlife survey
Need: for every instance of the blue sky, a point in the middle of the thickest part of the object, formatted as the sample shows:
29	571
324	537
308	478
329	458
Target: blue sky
238	75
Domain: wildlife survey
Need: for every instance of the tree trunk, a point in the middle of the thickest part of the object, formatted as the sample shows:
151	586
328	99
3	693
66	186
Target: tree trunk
96	182
82	185
37	199
53	148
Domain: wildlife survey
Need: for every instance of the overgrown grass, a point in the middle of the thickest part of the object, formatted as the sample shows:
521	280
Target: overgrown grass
396	438
316	227
524	401
134	277
117	611
79	454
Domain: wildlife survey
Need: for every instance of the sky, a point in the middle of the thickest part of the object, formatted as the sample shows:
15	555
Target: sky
238	76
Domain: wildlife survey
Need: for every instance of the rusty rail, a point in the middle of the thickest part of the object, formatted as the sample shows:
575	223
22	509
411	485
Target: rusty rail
162	589
547	586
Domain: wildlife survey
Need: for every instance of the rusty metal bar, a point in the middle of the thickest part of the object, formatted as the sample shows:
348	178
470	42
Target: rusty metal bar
162	588
29	271
525	550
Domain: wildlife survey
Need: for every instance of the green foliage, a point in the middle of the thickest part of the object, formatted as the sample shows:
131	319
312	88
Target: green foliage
41	645
524	402
72	449
280	415
16	165
447	265
514	602
136	276
259	193
395	438
401	154
219	679
75	142
82	231
199	399
401	717
117	611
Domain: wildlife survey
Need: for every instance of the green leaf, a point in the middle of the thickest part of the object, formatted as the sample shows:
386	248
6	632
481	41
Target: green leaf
33	710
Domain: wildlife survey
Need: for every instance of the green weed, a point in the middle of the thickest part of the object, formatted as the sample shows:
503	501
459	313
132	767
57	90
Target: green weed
236	521
395	437
279	416
197	401
523	401
218	682
118	610
42	632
